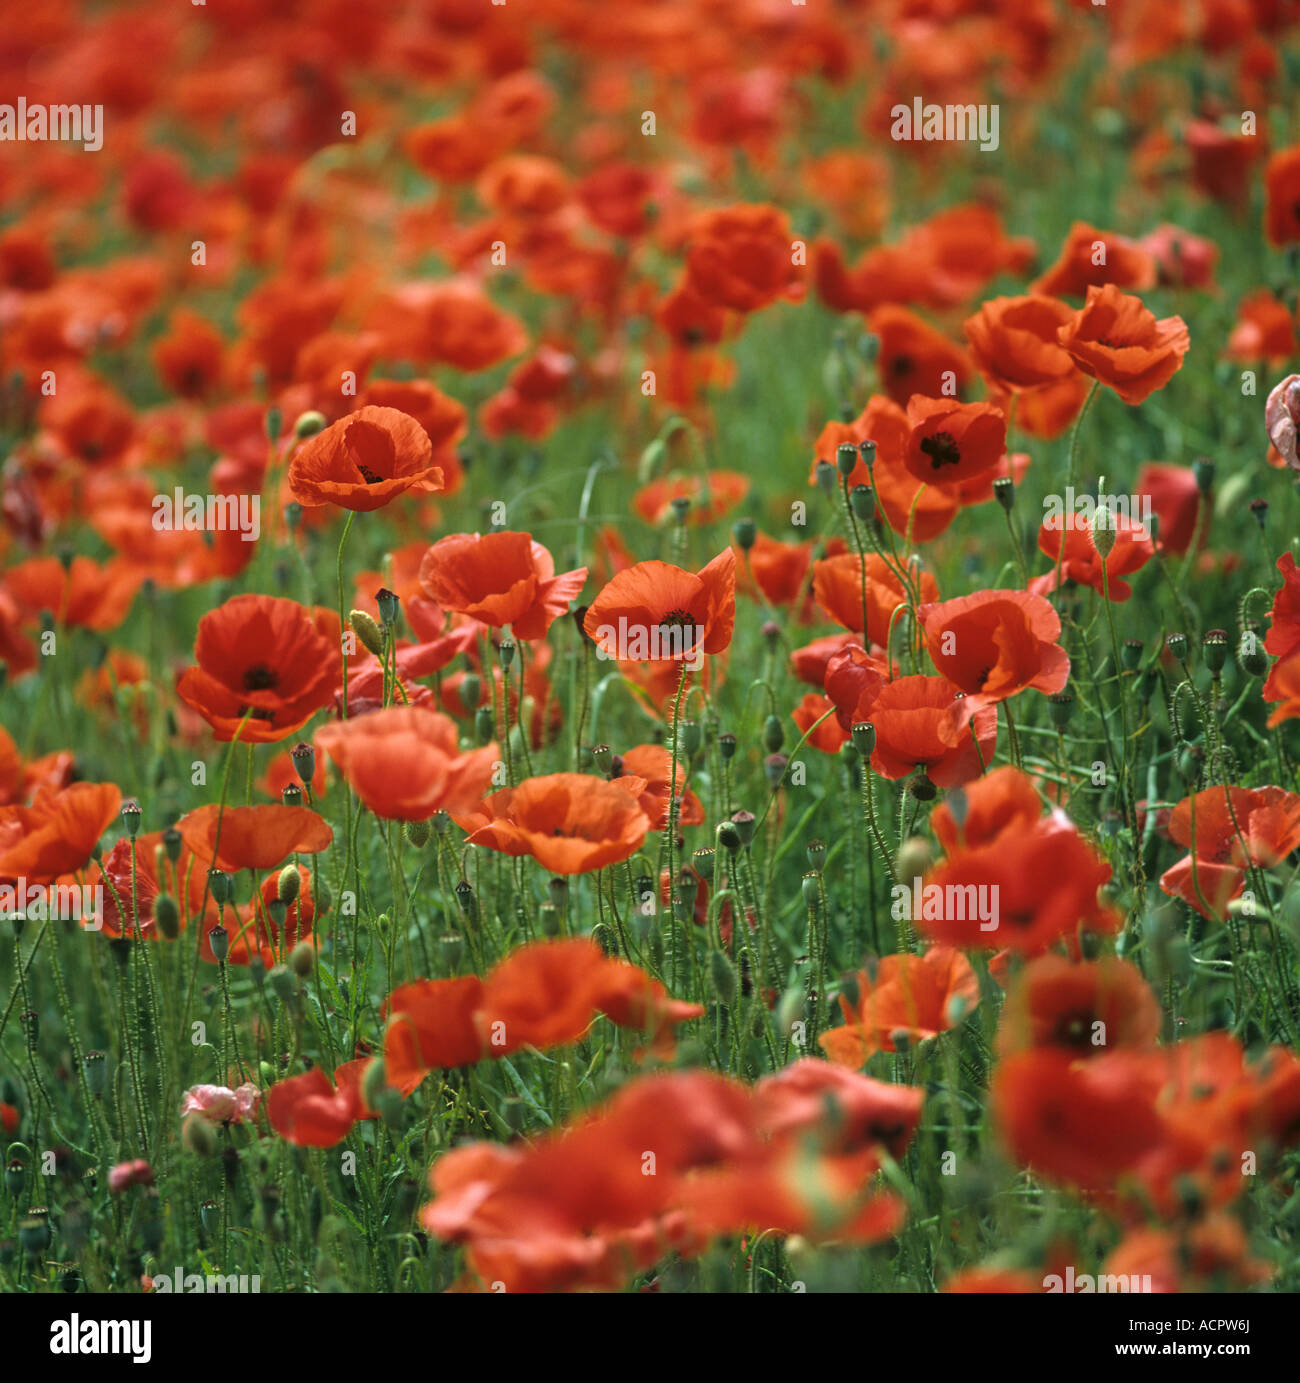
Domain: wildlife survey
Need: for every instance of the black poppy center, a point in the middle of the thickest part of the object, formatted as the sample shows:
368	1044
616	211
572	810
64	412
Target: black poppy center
259	677
942	449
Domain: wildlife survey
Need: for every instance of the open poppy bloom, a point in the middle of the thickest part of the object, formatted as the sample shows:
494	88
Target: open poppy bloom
543	995
1042	892
499	579
253	837
132	888
739	257
1080	267
953	442
1117	340
1003	801
916	997
844	583
1084	1123
363	461
1085	1008
657	612
710	495
914	357
264	658
1014	342
994	644
57	833
920	723
1235	829
1282	189
405	762
1082	563
569	823
653	764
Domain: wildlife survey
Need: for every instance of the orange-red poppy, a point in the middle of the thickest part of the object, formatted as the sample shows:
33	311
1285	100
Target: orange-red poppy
907	997
405	762
1013	341
568	822
993	644
657	612
1080	561
1117	340
264	664
364	461
953	442
843	583
499	579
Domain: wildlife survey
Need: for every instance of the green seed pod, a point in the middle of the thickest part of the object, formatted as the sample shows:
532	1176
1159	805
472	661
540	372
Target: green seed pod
15	1177
283	984
484	729
219	940
220	886
862	501
773	734
846	458
745	532
815	851
1176	643
374	1081
418	833
1004	491
1214	649
549	917
450	949
745	823
727	745
197	1136
812	892
1060	707
603	756
864	738
722	977
166	916
95	1067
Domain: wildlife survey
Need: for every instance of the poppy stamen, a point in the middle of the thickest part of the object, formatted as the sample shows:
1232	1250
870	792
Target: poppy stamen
259	677
942	449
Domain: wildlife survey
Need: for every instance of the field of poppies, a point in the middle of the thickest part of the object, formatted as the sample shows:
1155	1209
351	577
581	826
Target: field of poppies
649	647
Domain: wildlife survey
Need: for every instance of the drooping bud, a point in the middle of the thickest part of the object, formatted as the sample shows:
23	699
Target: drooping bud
368	631
289	884
166	916
197	1136
309	424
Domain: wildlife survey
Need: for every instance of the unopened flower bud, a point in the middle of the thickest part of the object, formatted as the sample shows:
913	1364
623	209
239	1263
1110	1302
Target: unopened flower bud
302	959
745	532
368	631
309	424
773	734
289	884
417	832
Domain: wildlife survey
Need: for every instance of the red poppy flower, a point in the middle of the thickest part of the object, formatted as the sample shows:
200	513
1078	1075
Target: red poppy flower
1282	196
953	442
1085	1123
914	357
1235	828
840	589
570	823
82	595
653	764
1004	800
1043	892
657	612
920	723
405	762
1085	1008
913	996
1090	258
994	644
1176	499
499	579
363	461
1082	563
711	496
309	1112
741	257
253	837
1117	340
262	655
1014	342
57	833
